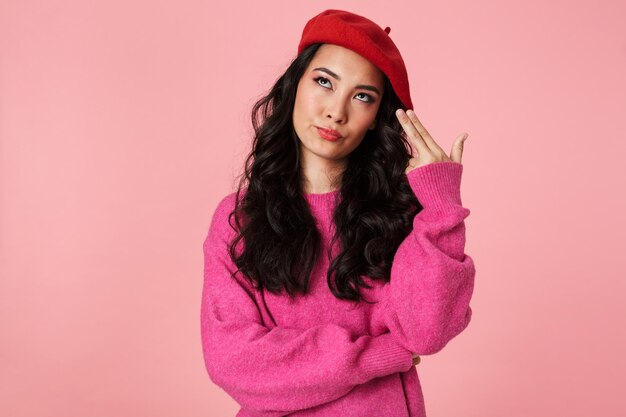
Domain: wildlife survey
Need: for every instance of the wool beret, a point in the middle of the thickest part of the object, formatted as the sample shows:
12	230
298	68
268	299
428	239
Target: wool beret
364	37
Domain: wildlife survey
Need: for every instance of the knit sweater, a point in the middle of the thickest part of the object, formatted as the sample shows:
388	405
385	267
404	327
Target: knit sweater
317	355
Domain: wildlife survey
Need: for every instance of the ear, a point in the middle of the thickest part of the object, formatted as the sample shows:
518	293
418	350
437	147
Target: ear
373	125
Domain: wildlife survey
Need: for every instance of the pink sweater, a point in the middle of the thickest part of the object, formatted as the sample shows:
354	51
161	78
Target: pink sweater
320	356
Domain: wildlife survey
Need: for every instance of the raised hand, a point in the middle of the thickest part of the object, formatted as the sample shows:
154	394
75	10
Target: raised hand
428	151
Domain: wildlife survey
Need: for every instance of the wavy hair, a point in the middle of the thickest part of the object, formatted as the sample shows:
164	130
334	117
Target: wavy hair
374	216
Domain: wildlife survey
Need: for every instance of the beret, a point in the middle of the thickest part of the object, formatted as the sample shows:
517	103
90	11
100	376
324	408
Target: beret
364	37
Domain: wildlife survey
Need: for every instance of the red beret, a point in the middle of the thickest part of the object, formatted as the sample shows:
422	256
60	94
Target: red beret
364	37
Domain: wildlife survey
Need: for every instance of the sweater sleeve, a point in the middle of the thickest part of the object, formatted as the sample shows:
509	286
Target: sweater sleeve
275	371
426	302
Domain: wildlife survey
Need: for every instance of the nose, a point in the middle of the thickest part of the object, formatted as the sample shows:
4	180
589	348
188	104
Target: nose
336	110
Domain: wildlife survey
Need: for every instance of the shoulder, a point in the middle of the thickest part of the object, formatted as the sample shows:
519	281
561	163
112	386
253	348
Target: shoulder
223	224
221	218
224	207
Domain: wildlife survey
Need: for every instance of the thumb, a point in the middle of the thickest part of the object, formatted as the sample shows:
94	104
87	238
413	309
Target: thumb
457	147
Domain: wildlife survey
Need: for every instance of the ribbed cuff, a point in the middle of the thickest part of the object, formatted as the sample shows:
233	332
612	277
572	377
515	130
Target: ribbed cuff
437	185
384	356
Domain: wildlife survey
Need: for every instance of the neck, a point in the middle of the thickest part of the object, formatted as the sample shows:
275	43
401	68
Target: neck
320	180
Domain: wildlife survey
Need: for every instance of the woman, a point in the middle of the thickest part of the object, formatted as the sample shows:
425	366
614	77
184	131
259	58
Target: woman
340	258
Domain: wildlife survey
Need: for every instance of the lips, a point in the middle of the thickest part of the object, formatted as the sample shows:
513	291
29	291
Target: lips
328	134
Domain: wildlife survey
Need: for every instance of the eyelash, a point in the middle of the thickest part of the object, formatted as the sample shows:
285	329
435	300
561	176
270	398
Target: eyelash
370	99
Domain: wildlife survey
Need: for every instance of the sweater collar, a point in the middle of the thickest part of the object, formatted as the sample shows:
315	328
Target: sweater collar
323	201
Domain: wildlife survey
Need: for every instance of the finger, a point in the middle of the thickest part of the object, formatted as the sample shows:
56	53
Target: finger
430	142
411	131
457	147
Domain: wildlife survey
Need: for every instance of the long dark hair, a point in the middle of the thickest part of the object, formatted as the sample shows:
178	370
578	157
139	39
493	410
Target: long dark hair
375	215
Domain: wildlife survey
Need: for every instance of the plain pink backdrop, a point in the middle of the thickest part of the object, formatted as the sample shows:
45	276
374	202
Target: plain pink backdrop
123	123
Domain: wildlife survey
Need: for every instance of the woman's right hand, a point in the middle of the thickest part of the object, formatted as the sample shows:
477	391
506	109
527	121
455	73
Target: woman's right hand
416	359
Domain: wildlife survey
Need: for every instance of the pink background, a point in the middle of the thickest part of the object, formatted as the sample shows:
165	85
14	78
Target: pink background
122	124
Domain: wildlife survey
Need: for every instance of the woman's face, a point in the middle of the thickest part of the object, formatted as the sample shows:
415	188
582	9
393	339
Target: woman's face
339	90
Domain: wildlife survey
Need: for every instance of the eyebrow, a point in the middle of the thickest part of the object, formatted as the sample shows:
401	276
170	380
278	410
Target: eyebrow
337	77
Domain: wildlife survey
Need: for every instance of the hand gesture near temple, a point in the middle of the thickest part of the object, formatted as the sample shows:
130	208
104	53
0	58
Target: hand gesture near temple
428	151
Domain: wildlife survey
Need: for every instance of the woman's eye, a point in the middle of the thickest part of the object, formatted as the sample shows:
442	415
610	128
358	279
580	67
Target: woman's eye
368	98
324	82
321	80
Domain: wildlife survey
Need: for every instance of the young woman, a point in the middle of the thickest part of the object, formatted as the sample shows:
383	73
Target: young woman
340	258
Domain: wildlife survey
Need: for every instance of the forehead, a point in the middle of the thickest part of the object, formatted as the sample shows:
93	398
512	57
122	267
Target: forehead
346	63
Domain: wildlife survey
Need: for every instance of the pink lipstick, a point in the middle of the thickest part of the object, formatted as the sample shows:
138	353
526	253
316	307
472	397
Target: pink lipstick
328	134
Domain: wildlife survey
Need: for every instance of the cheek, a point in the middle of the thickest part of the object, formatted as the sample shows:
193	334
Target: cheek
306	107
366	119
312	101
311	96
300	107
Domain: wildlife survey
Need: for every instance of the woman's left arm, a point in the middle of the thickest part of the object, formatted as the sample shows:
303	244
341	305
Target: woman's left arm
426	302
